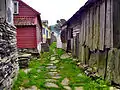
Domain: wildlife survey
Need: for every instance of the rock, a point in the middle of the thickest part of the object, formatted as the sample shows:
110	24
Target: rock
54	62
56	77
51	85
74	59
53	74
38	70
51	80
65	81
51	67
26	70
90	69
113	88
78	63
61	67
52	58
64	56
34	88
21	88
53	70
51	64
67	87
78	88
25	56
79	75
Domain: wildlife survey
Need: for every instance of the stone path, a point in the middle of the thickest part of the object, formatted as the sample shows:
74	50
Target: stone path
53	72
51	82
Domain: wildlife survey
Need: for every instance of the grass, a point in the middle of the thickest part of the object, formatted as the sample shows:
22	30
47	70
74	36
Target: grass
67	67
78	78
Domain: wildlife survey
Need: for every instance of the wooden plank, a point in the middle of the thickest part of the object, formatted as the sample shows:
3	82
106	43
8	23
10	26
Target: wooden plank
97	27
111	20
102	26
84	25
94	28
91	29
82	34
108	25
87	28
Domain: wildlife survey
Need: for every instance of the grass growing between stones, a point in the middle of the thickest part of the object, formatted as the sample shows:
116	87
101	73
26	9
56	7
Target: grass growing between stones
35	77
77	78
37	74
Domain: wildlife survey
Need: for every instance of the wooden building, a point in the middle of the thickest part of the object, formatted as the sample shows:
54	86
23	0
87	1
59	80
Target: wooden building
94	34
29	26
46	33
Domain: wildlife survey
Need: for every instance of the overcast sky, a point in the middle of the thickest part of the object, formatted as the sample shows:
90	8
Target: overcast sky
53	10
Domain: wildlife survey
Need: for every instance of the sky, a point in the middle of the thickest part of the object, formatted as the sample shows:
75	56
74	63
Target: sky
53	10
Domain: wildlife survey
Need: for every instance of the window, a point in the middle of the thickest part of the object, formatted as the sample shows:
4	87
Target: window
43	31
16	7
47	34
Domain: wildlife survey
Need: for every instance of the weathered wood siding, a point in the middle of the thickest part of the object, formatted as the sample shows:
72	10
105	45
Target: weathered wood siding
99	37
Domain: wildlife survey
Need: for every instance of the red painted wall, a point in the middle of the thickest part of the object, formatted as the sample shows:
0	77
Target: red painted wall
25	10
26	37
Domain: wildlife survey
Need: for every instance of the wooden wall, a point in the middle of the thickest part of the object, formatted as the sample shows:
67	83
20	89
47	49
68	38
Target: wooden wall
99	38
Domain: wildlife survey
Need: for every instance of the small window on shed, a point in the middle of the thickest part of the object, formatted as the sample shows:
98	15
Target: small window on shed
47	34
43	31
16	7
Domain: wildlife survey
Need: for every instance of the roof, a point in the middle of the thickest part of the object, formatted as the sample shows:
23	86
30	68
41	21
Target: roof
22	21
79	13
29	6
27	20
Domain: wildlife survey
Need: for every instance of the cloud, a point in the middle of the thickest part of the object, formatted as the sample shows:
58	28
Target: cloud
53	10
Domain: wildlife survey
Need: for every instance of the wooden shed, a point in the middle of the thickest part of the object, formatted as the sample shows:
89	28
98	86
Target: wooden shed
96	37
29	26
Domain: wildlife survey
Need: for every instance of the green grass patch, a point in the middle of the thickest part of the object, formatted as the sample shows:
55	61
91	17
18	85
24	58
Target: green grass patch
77	78
67	67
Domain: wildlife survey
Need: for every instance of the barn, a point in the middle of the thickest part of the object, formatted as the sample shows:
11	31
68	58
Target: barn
92	34
29	26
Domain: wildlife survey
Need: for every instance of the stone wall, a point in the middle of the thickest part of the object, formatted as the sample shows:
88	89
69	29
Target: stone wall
8	56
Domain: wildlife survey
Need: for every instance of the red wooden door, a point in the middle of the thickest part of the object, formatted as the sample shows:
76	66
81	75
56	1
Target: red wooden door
26	37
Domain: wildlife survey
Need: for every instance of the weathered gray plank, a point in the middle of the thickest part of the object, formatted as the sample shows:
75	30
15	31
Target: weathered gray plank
111	26
94	28
97	27
102	25
82	33
91	29
108	25
87	28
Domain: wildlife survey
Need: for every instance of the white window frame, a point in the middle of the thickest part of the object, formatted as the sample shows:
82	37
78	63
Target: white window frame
17	3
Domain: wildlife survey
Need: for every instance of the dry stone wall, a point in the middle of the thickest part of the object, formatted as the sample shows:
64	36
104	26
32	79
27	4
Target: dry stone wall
8	56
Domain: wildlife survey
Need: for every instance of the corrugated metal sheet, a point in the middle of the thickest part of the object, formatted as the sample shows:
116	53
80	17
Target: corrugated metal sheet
26	37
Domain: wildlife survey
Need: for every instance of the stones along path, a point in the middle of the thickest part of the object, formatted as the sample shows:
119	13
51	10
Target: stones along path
59	72
53	71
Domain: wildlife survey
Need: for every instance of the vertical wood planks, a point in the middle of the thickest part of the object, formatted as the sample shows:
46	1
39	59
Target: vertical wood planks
97	26
87	28
108	25
111	26
102	25
91	29
94	28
